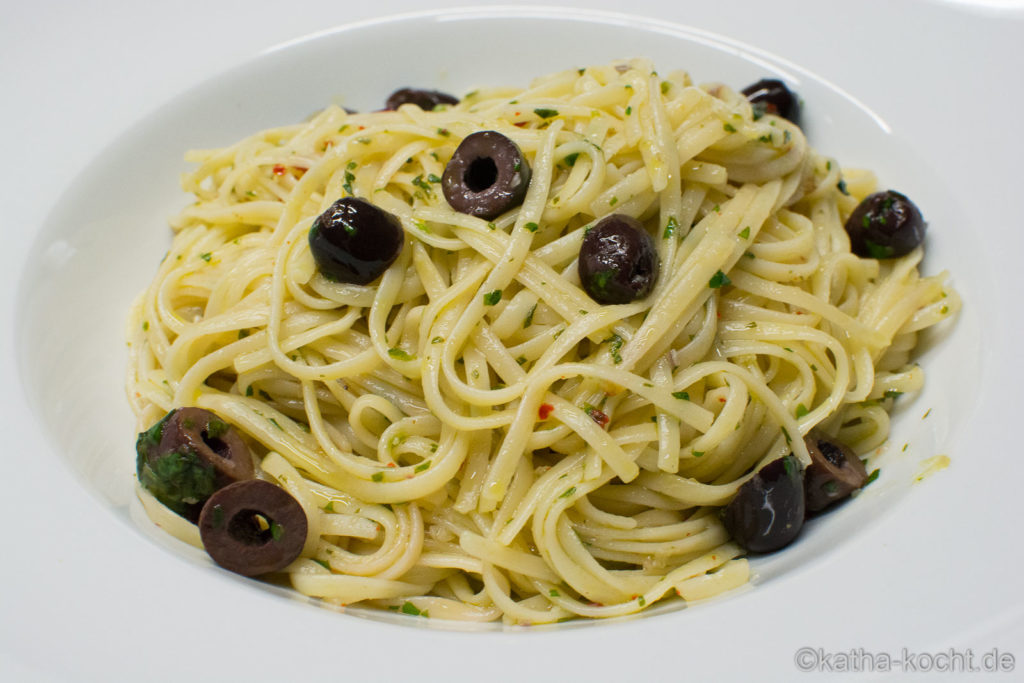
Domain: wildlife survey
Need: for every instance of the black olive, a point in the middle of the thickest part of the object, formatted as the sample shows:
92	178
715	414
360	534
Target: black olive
618	260
253	527
885	225
768	511
188	455
355	241
486	176
834	473
771	96
426	100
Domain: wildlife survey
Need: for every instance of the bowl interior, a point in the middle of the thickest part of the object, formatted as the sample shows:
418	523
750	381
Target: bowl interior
106	234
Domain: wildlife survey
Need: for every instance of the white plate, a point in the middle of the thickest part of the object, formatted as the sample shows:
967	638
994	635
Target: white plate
119	205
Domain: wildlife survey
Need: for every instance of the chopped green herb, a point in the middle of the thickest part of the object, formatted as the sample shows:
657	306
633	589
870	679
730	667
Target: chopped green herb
491	298
841	185
613	201
893	394
529	317
323	564
399	354
545	113
568	492
329	507
443	132
276	531
719	279
554	593
615	344
871	477
410	609
682	395
437	340
629	110
729	128
801	410
745	233
758	109
248	390
570	159
377	476
697	454
419	182
641	601
206	257
785	433
531	226
423	466
665	86
274	422
670	227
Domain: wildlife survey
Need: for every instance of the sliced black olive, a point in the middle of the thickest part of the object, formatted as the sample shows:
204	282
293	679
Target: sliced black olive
771	96
426	100
355	241
834	473
486	176
618	260
188	455
885	225
253	527
768	511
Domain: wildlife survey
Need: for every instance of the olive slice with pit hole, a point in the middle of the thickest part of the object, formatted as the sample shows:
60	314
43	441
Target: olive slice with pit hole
253	527
486	176
187	456
834	473
768	510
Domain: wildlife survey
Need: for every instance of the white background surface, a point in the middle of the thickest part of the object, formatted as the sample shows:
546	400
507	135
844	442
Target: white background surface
82	597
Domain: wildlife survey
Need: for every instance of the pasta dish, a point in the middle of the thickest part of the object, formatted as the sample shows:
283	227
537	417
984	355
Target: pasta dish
530	355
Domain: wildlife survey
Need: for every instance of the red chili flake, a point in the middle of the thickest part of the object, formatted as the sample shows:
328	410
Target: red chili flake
721	399
544	410
391	464
362	127
279	169
520	124
598	416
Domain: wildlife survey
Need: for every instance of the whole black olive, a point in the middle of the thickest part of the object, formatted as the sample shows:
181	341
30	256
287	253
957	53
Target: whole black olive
618	260
885	225
426	100
188	455
768	511
253	527
771	96
486	176
834	473
355	241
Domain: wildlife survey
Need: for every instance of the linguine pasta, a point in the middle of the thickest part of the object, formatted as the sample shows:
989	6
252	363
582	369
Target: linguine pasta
473	437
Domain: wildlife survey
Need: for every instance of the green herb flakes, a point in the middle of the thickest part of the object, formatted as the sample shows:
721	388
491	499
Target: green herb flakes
545	113
399	354
719	279
681	395
491	298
